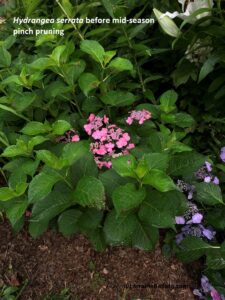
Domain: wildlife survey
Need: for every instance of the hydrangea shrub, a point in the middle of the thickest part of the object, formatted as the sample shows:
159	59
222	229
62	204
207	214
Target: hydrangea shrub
113	133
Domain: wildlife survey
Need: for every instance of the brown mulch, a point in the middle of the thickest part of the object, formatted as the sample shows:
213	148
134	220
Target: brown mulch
53	262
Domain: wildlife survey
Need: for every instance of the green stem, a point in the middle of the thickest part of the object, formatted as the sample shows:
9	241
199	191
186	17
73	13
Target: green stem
75	27
75	103
3	174
77	106
109	111
212	133
103	80
66	181
135	60
22	289
220	9
4	142
139	75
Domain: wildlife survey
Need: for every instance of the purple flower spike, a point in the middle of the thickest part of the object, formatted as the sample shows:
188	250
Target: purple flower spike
197	218
180	220
208	166
222	154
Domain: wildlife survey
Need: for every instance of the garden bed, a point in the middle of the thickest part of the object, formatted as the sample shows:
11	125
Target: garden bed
53	262
113	133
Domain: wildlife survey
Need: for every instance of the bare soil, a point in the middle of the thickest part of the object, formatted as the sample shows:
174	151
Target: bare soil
53	262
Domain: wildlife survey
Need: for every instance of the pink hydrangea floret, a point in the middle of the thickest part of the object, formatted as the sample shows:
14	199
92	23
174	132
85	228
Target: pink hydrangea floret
75	138
68	137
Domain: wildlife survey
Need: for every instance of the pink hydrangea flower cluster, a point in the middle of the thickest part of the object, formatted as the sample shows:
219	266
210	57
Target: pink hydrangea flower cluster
139	115
108	140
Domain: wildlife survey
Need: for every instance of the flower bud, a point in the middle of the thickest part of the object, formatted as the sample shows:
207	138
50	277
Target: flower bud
167	25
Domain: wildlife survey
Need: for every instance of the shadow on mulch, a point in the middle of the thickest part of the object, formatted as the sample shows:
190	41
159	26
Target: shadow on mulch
53	262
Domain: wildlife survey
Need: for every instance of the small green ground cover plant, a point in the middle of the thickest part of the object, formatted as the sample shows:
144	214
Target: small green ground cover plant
12	292
102	131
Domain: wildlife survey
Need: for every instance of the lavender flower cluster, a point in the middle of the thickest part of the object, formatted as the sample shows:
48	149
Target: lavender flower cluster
205	174
192	219
206	290
186	188
192	226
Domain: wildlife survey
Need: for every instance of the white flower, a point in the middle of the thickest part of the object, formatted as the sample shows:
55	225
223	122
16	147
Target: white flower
189	7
